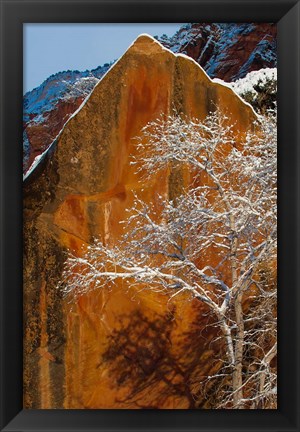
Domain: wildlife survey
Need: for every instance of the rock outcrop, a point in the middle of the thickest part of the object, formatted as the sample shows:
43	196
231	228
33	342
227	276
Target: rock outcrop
80	190
225	51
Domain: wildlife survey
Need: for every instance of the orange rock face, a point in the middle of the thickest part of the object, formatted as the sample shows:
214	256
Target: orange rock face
80	191
248	50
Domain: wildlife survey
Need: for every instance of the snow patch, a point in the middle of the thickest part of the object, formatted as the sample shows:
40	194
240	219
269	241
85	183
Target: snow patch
34	164
247	84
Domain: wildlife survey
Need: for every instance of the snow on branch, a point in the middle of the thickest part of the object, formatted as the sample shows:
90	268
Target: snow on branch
215	241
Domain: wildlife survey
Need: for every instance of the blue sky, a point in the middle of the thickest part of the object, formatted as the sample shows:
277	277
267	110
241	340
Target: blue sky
51	48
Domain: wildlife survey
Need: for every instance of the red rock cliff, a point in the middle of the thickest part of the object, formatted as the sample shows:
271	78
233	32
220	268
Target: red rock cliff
227	51
81	190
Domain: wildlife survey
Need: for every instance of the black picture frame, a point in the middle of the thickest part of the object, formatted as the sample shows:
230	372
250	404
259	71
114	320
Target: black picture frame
16	12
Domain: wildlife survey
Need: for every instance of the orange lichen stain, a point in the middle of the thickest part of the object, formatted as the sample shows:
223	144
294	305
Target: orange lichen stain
118	192
71	216
147	96
90	320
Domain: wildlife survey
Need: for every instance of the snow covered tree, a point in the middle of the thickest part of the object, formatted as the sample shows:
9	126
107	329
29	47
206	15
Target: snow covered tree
259	88
213	239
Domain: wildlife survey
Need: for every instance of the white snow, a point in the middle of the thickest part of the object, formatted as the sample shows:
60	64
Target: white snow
34	164
247	84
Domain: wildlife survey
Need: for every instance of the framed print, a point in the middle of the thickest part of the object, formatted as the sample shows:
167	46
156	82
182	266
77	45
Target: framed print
140	285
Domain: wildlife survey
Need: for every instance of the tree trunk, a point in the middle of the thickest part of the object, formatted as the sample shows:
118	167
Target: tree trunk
237	378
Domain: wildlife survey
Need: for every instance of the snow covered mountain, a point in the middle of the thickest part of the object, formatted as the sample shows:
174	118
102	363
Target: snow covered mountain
47	107
226	51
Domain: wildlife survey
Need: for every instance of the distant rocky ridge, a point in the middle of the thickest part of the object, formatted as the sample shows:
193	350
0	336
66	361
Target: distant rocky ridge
49	106
225	51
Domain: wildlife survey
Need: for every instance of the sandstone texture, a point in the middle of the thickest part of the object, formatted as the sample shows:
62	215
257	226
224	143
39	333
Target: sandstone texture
80	190
226	51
